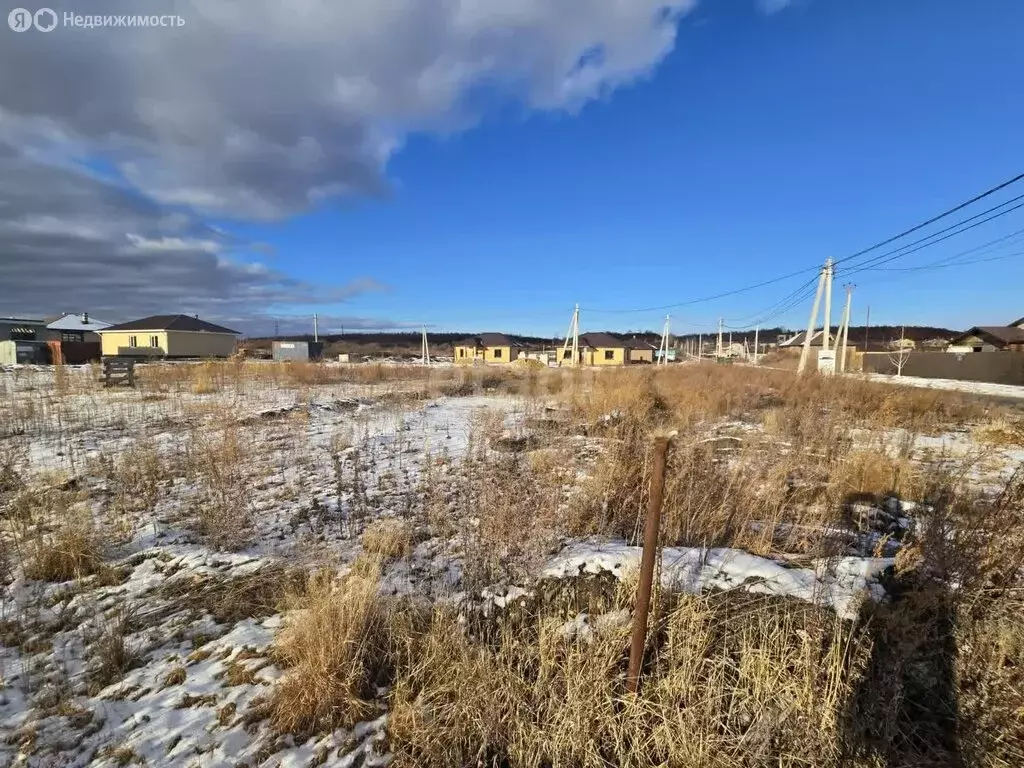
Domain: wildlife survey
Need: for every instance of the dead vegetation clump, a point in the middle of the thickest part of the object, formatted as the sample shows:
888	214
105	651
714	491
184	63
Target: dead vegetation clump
338	646
110	655
55	538
223	464
389	539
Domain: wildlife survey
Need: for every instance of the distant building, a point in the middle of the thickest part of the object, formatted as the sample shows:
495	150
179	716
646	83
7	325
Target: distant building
22	329
797	341
642	351
298	351
22	341
487	348
990	338
73	327
168	336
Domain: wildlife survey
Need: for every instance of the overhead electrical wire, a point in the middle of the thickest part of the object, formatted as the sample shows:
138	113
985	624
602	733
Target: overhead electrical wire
873	263
858	267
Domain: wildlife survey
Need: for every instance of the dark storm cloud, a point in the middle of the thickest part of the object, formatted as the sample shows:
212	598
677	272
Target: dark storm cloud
70	242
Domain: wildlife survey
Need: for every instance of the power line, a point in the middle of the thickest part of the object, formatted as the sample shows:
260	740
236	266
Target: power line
879	260
942	262
953	264
932	220
862	252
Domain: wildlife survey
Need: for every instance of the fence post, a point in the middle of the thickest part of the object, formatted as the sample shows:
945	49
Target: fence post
643	593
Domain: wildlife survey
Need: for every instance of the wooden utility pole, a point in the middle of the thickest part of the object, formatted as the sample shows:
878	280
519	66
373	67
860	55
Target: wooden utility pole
650	552
805	353
867	326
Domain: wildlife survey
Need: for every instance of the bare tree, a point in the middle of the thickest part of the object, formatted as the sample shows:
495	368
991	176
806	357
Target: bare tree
901	353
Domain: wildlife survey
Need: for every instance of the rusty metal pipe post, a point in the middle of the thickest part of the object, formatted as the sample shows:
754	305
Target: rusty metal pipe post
643	594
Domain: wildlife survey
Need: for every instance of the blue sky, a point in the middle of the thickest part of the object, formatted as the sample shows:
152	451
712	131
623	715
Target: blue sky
760	144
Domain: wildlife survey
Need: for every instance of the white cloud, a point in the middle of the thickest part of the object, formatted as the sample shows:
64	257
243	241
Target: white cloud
260	109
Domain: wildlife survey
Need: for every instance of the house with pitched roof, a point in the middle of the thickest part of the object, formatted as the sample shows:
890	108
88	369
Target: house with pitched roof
990	338
171	336
487	348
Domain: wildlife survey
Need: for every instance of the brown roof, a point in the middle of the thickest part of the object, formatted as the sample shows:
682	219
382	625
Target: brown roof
1018	322
1002	334
489	340
635	343
170	323
601	339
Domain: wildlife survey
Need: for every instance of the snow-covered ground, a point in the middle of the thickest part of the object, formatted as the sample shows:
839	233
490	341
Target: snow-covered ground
972	387
318	464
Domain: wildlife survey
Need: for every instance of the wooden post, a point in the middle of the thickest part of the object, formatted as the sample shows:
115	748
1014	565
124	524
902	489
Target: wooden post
643	594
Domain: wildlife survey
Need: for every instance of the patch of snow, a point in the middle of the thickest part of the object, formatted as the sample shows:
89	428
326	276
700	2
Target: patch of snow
956	385
839	583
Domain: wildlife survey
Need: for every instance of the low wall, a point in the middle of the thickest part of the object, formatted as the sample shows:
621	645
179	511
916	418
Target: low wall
991	367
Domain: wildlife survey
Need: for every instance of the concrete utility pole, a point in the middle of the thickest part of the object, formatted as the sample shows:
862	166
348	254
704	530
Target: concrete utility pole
867	327
425	347
757	328
663	347
844	327
573	338
718	352
805	353
316	332
700	345
827	325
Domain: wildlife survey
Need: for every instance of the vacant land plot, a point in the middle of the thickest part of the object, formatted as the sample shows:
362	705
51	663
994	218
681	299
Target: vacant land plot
261	565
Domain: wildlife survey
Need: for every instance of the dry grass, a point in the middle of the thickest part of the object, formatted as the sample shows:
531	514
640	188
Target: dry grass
337	647
388	539
734	681
73	552
223	463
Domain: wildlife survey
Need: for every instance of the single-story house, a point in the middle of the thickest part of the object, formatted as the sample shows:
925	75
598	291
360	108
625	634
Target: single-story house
73	327
797	341
600	348
990	338
487	348
641	351
22	340
168	336
22	329
73	338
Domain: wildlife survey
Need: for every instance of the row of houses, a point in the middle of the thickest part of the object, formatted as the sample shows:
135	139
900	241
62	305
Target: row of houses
594	348
74	338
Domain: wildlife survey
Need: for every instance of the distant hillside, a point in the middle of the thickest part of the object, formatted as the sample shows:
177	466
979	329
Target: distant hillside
407	344
877	335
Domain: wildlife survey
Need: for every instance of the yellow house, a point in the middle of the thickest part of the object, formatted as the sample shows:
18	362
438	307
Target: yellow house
596	349
168	336
486	348
639	351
